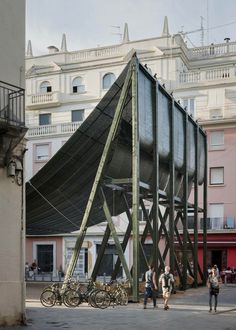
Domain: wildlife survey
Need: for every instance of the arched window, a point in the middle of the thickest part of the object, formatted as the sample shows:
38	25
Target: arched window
78	85
45	87
107	80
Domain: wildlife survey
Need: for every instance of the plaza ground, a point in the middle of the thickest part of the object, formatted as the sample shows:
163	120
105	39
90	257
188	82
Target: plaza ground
188	310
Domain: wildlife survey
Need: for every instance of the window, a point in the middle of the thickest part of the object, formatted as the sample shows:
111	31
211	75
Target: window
42	152
45	87
77	115
108	80
189	104
45	119
216	175
216	213
78	85
216	140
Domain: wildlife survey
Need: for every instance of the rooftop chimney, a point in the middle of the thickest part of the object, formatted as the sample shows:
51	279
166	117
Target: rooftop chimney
52	49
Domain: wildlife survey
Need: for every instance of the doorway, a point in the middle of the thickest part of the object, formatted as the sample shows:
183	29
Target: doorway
45	257
216	258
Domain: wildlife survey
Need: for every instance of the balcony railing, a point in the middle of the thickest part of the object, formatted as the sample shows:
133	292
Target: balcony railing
12	104
62	128
93	53
223	73
35	101
219	223
213	50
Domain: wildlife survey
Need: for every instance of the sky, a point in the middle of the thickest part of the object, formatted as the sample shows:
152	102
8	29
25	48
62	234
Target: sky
93	23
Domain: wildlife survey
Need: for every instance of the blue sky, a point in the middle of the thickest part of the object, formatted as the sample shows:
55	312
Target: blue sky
88	23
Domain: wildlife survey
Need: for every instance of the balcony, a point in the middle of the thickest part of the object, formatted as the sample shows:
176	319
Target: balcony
46	100
51	130
213	50
219	223
92	54
220	73
12	112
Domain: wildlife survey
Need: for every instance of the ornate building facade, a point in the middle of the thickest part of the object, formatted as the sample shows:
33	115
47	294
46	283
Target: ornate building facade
63	87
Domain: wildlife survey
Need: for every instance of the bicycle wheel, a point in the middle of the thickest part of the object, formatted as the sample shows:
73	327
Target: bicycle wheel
48	298
71	298
102	299
124	298
91	298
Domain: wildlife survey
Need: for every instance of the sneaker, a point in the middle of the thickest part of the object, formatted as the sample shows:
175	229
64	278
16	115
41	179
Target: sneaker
210	310
215	310
165	308
144	307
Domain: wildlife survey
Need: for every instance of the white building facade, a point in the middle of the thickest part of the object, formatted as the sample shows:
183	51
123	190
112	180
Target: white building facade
63	87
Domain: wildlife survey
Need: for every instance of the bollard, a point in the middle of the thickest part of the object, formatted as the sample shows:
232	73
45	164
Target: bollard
104	278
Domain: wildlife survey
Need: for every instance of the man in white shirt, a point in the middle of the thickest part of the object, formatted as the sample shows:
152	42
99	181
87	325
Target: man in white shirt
166	280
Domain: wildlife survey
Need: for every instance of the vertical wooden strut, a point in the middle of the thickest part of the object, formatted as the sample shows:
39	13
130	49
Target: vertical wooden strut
195	258
111	136
172	186
135	181
155	188
185	203
205	217
114	235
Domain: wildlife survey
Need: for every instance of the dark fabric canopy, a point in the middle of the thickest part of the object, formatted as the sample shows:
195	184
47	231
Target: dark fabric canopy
56	197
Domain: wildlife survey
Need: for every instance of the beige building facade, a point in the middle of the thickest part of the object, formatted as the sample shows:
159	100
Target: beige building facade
12	130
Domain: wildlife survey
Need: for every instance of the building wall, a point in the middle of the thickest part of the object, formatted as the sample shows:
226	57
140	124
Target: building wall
12	36
231	257
12	308
31	250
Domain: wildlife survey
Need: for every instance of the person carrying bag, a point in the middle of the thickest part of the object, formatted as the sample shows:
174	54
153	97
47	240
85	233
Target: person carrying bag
213	284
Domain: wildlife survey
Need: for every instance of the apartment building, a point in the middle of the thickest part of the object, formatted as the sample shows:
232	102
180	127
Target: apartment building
63	87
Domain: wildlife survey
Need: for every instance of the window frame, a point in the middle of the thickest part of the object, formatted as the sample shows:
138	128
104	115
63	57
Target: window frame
110	74
47	87
215	146
76	87
210	176
74	111
45	114
36	160
188	107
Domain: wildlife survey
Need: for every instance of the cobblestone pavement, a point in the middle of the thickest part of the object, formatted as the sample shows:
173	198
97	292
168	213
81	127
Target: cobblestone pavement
188	310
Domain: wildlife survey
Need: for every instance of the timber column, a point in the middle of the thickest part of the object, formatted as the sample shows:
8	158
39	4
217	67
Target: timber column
135	180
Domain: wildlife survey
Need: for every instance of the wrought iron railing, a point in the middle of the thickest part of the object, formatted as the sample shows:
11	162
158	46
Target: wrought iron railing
12	105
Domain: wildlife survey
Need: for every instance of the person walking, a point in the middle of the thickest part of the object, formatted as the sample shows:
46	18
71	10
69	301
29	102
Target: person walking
150	287
166	280
213	284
